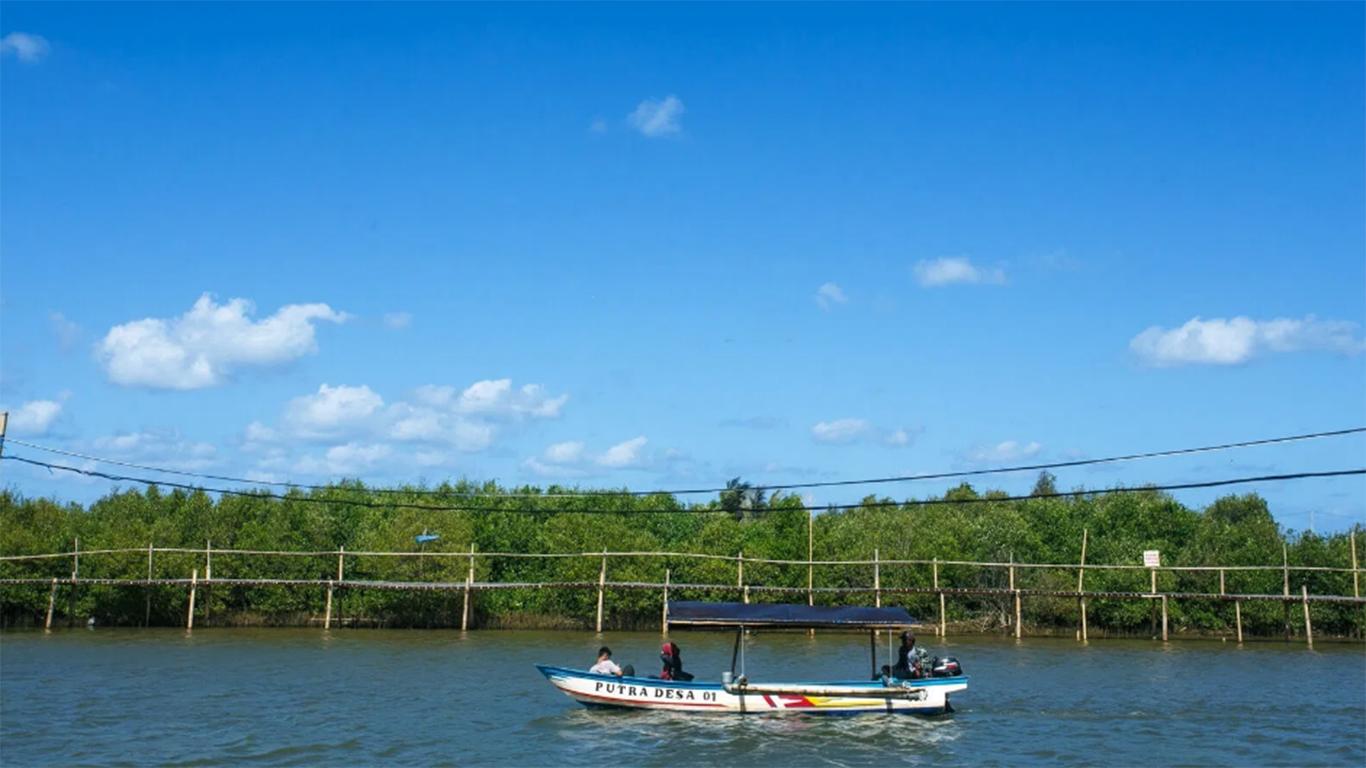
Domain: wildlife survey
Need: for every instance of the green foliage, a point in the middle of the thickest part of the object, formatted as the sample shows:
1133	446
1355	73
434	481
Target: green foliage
977	527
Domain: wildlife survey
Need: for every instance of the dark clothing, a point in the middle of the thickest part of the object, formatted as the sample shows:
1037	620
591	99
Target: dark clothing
905	665
673	664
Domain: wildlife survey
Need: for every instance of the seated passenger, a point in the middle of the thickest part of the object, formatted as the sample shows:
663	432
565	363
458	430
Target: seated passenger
907	660
673	664
605	665
885	673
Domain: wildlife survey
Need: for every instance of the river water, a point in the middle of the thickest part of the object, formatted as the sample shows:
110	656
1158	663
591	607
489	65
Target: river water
298	697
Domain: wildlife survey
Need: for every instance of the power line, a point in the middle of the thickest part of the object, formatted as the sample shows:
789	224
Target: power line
693	491
694	510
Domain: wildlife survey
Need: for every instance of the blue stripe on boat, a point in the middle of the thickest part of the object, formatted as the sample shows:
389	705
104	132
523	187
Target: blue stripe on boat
550	671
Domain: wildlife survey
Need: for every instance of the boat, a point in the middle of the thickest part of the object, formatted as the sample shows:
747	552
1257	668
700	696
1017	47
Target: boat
736	693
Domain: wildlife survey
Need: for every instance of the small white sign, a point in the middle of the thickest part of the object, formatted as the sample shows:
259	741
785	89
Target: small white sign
1152	558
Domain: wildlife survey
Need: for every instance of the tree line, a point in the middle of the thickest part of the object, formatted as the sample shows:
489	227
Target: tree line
974	526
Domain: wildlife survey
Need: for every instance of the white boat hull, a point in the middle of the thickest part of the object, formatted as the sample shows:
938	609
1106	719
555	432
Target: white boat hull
928	696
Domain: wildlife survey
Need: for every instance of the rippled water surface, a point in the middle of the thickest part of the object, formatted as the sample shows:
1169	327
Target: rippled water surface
294	697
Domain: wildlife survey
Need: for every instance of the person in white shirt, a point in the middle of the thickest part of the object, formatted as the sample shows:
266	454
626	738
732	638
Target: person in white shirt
605	665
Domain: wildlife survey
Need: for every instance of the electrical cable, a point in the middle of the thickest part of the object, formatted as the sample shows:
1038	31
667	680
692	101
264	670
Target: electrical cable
370	503
692	491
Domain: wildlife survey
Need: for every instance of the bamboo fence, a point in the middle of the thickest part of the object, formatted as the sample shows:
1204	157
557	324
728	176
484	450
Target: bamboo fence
874	592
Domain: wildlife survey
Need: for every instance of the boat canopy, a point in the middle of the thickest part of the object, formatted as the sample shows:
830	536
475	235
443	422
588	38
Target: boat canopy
697	613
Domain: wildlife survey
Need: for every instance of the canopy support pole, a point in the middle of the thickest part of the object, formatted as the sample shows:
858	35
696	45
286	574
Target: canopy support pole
735	654
872	651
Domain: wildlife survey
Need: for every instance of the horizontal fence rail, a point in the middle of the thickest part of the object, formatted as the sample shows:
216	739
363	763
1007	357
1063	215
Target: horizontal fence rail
678	555
486	586
874	591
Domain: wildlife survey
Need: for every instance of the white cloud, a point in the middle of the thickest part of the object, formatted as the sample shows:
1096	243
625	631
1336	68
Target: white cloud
1220	341
955	269
257	434
471	436
34	418
840	430
435	395
564	453
419	424
850	430
624	454
431	458
349	458
1009	450
498	398
567	459
67	332
416	423
25	47
331	410
656	118
548	469
437	418
830	294
206	344
573	459
897	437
598	125
398	320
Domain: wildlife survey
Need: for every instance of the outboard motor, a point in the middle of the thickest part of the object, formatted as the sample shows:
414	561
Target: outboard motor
946	667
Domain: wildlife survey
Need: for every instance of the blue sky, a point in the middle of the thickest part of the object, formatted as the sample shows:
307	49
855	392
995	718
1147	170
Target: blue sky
667	245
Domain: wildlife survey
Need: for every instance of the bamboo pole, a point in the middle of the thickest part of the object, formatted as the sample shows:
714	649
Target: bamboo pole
1356	583
877	580
740	576
810	572
51	601
327	616
1285	591
1018	628
208	577
75	575
1308	627
147	592
1238	618
1221	593
1164	618
810	545
1152	590
942	626
1081	574
664	614
469	583
341	577
189	615
602	585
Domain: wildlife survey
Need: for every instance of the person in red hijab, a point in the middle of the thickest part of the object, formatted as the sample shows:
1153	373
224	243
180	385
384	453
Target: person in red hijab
673	663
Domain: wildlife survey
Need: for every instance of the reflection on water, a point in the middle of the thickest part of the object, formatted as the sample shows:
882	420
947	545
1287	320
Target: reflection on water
663	737
298	697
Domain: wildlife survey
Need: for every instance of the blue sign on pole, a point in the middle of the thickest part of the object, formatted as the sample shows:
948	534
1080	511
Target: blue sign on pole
423	538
